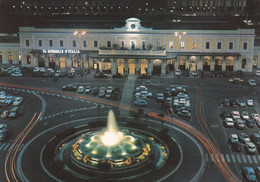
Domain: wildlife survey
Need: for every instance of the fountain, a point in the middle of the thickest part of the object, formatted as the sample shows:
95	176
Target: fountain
98	150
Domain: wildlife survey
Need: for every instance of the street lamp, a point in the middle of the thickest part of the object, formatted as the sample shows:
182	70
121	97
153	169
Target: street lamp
79	34
180	34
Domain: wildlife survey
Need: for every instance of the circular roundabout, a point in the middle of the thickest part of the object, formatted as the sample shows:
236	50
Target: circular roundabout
104	151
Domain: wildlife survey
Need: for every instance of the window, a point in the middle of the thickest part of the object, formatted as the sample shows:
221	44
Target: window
182	44
40	43
132	44
193	45
157	44
219	45
230	46
95	43
28	59
243	63
122	44
61	43
207	45
109	44
171	45
245	45
27	43
74	43
10	58
50	43
143	45
85	43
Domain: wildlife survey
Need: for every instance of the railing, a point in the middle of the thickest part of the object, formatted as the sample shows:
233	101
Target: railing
131	52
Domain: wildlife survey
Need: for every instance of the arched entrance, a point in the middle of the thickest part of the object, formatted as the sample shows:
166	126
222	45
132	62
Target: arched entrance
62	62
218	64
75	61
182	62
143	66
193	63
244	62
230	64
41	61
206	63
52	62
107	66
120	65
157	64
131	66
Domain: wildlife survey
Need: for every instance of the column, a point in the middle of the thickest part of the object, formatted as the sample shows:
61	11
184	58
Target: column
224	65
113	66
138	66
34	60
68	62
187	63
212	64
126	67
199	63
236	64
101	65
176	63
258	61
163	67
150	66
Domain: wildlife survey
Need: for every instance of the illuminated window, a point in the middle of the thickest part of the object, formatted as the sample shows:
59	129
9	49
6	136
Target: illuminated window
193	45
10	58
182	44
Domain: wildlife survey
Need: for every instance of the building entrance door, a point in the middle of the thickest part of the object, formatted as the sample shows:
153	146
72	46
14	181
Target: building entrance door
62	62
131	67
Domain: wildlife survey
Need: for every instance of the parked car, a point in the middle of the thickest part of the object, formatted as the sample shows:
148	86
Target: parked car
250	102
245	115
228	122
87	89
3	132
236	81
257	72
80	90
12	115
109	89
140	102
233	138
249	174
118	75
101	75
70	87
240	124
243	137
194	73
241	103
226	102
101	93
14	109
235	114
177	72
108	95
17	101
159	97
237	147
184	113
252	82
255	138
250	147
257	122
5	114
255	115
95	91
250	123
71	74
225	114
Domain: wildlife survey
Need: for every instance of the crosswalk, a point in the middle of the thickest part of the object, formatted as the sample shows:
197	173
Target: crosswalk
234	158
4	147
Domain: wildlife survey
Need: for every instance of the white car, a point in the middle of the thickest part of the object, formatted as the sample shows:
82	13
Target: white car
257	72
109	89
245	115
87	89
250	147
229	122
177	72
235	114
252	82
233	138
72	70
168	100
195	73
36	69
250	102
160	97
150	95
16	74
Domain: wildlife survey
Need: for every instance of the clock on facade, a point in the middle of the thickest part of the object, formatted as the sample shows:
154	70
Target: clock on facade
132	26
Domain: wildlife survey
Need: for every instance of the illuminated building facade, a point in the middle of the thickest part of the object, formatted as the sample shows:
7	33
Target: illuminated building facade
136	49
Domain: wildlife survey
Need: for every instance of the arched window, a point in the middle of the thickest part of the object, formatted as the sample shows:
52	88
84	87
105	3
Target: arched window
243	63
28	59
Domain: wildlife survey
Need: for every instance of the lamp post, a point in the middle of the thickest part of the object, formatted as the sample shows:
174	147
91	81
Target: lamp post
180	34
79	34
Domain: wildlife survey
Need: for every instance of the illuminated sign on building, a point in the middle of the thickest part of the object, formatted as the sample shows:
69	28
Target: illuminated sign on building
68	51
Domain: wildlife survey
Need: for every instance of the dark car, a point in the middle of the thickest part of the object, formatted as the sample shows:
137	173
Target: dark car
101	75
237	147
118	75
70	87
233	103
95	91
144	76
225	114
250	123
71	74
255	138
226	102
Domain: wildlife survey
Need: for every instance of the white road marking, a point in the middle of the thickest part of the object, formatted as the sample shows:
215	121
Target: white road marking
227	157
238	158
233	158
2	146
6	146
